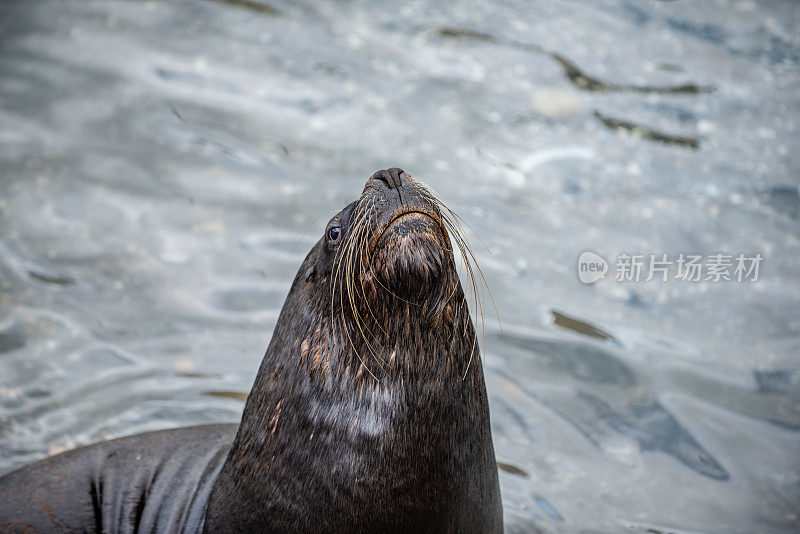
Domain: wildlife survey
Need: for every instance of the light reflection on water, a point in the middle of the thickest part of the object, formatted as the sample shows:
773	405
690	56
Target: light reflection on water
162	162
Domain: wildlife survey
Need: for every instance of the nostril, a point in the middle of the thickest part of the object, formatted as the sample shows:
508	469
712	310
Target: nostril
397	174
391	177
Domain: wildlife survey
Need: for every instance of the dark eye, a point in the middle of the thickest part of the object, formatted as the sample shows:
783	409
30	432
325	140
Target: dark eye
334	233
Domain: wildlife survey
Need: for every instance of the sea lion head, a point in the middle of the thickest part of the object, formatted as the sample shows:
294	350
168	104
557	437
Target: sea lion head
370	401
381	278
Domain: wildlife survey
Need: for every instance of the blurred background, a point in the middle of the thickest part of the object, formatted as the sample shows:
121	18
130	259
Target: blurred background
166	165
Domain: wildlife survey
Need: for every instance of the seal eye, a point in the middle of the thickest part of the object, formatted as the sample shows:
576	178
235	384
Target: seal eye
334	234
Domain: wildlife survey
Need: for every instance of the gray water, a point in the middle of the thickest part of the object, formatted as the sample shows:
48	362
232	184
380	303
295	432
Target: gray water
160	163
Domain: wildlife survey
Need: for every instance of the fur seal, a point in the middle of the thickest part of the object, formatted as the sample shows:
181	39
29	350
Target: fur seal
368	414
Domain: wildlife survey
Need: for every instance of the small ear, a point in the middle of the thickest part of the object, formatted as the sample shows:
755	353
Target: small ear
310	273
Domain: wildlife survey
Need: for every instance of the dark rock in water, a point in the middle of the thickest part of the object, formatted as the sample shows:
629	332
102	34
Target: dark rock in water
644	132
706	32
240	396
465	33
581	327
780	381
252	5
12	338
784	199
52	279
513	469
587	82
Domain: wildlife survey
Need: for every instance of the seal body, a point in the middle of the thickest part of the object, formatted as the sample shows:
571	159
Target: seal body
153	482
368	414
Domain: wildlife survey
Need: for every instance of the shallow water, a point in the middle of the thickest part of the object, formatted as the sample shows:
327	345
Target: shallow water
160	163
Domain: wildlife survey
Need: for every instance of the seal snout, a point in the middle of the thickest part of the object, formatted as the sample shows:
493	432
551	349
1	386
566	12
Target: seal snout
397	196
408	245
393	178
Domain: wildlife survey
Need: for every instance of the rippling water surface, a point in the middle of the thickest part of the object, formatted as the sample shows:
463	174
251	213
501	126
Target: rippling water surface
160	163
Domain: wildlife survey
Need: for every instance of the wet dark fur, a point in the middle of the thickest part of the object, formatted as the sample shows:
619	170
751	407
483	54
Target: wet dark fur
369	411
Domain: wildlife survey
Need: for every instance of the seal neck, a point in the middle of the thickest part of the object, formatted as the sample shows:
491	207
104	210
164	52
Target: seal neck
409	445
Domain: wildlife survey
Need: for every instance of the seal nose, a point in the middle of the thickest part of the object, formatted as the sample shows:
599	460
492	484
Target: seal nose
393	178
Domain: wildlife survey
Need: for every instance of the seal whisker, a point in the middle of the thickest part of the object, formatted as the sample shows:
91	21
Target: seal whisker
480	271
485	284
335	279
359	229
465	223
478	297
365	267
343	253
466	253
